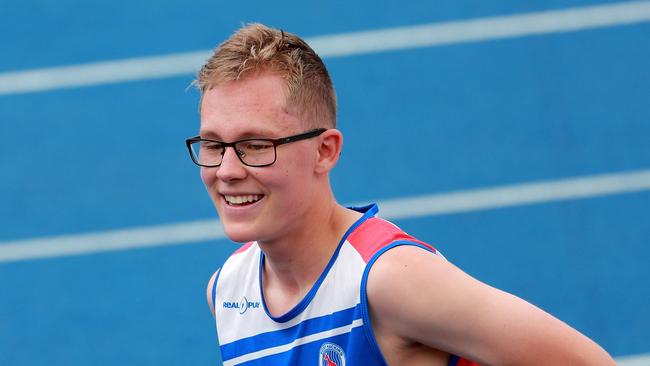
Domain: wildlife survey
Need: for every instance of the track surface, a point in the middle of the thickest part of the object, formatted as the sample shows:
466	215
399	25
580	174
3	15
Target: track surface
416	121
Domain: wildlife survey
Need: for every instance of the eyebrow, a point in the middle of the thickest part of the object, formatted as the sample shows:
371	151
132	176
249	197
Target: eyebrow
251	134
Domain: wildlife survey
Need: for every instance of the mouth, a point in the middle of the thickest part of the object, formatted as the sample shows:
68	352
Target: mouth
241	200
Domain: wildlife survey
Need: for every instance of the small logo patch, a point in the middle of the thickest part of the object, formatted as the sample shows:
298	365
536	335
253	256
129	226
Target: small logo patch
242	305
331	354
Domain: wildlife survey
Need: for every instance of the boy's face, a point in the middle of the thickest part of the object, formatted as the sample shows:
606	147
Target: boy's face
255	108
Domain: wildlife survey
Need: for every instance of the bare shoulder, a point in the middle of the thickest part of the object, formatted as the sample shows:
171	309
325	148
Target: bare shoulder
415	273
419	296
208	291
410	294
403	269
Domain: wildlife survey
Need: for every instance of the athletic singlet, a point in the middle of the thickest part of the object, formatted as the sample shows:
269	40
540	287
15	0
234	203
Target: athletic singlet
330	326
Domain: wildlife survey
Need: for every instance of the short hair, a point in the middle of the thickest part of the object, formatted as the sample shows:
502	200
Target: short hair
256	48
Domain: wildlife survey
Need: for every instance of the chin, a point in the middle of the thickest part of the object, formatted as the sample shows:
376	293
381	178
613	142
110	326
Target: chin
239	234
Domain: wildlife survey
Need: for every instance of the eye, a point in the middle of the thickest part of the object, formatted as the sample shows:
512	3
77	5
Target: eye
211	145
257	146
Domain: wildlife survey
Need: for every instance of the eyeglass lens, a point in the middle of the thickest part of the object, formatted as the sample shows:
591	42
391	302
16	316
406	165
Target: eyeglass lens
250	152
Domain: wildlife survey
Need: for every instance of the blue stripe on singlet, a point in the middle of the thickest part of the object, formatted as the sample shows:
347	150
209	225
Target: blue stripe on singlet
453	360
285	336
214	292
367	326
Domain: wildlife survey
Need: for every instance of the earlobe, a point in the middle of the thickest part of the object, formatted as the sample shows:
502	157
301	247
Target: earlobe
329	150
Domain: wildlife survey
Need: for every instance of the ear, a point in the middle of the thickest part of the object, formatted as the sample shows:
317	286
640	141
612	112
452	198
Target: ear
329	149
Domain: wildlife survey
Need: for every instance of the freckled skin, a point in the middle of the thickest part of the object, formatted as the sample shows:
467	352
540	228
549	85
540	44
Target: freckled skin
230	111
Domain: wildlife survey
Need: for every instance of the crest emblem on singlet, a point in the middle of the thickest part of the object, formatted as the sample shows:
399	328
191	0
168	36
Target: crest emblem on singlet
331	355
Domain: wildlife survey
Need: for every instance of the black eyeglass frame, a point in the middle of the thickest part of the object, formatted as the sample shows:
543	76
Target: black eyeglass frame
276	142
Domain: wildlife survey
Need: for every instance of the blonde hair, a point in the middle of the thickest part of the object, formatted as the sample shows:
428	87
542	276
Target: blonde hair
255	49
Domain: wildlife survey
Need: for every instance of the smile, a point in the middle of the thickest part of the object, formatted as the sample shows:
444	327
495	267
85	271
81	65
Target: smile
242	200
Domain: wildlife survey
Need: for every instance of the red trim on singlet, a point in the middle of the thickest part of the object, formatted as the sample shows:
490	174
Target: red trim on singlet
375	233
464	362
244	247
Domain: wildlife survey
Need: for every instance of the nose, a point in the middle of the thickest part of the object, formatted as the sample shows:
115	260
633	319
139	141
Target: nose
231	167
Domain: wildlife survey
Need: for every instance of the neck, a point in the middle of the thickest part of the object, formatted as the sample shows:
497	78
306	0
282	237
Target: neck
294	262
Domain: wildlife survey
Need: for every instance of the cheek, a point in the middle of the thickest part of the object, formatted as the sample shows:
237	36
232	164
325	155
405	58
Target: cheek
208	176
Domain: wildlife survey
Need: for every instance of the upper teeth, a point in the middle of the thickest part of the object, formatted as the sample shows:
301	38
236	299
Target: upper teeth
242	199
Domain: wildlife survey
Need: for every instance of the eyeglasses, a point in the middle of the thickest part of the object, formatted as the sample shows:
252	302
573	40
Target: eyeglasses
251	152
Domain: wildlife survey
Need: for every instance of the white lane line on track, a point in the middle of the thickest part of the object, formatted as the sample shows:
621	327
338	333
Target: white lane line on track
516	195
398	208
634	360
346	44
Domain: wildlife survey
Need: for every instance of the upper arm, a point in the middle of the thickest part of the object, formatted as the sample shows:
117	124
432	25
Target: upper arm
421	297
208	291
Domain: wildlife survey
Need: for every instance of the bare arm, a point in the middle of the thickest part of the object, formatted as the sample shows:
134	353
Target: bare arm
208	292
422	298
